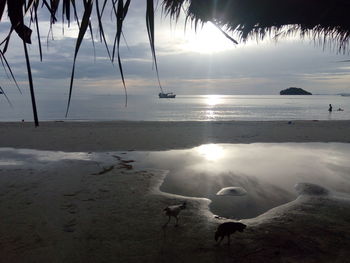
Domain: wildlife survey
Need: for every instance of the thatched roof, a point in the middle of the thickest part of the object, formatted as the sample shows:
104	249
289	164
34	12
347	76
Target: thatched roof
325	20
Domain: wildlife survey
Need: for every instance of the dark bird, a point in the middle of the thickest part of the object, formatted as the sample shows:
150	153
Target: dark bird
174	210
226	229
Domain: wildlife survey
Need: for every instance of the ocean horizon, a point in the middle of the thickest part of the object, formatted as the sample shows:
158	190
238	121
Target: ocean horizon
182	108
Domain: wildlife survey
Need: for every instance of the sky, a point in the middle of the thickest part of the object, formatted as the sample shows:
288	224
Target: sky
189	61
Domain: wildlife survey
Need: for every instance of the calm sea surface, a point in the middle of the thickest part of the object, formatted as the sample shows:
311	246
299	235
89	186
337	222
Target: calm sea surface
182	108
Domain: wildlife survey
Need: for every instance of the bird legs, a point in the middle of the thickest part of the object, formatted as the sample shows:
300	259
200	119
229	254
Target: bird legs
176	223
167	222
222	238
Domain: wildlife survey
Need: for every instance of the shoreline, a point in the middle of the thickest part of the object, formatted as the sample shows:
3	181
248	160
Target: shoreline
156	135
104	210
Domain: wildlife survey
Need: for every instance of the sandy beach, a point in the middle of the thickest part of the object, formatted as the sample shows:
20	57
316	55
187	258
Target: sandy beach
57	207
148	136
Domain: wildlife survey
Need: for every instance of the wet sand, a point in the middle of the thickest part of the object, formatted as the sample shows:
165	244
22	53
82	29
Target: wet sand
125	135
107	211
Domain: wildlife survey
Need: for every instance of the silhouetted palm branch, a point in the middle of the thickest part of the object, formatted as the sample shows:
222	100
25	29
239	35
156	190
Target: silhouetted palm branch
18	9
324	20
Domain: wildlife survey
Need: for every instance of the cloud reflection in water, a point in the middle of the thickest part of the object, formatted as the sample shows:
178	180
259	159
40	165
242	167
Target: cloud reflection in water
267	171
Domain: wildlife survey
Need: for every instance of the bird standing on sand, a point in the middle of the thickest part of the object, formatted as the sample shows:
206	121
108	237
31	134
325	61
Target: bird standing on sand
173	210
226	229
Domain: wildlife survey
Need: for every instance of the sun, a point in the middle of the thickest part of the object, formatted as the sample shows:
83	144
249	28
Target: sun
207	39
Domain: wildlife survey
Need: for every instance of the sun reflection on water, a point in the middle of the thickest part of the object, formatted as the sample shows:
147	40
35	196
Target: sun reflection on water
211	152
213	100
210	114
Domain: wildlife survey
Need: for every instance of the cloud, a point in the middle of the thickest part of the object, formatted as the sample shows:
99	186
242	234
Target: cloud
252	68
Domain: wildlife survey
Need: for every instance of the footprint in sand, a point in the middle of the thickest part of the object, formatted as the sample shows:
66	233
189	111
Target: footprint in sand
71	194
70	225
70	207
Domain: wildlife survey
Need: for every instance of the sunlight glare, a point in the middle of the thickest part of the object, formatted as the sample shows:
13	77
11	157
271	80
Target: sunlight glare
209	114
208	39
211	152
212	100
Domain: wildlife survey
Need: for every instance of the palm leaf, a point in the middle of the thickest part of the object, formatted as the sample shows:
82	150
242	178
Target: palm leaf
150	32
104	6
100	25
4	67
53	18
120	14
92	40
15	13
225	34
2	7
18	8
7	98
82	30
3	59
37	29
66	10
75	12
31	86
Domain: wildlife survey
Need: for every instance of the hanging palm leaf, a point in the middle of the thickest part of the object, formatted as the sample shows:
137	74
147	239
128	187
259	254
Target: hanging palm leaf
88	4
322	19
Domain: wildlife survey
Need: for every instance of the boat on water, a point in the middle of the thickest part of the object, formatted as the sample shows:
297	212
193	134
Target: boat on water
168	95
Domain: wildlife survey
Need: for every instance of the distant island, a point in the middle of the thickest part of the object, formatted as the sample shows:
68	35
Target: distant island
294	91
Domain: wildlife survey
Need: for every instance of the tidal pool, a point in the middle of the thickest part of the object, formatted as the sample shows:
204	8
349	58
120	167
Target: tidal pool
260	176
268	172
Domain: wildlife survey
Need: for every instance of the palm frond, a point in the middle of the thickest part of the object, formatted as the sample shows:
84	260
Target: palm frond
37	29
3	59
15	13
101	30
31	85
88	4
150	32
2	8
326	21
6	97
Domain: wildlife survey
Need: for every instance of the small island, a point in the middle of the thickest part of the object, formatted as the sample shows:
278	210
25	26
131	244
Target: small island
294	91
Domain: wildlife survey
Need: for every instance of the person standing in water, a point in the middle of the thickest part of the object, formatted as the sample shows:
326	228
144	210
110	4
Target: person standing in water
330	108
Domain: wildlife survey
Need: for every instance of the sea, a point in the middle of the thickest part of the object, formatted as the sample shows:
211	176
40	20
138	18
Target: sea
182	108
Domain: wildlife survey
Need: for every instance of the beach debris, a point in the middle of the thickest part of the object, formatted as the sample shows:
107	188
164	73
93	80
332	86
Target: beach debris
226	229
117	157
71	193
233	191
174	210
310	189
128	161
104	170
124	165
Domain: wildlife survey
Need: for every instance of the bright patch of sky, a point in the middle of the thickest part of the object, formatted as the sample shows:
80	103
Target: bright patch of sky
189	62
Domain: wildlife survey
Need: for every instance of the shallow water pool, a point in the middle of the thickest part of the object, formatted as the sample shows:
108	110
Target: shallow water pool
267	171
